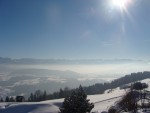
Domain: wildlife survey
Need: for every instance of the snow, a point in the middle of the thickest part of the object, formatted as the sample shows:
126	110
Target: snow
101	103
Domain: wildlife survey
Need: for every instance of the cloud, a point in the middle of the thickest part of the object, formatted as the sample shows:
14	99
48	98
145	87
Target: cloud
37	81
5	91
58	80
108	79
4	77
26	82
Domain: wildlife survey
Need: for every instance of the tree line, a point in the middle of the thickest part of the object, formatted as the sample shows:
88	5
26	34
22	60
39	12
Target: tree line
13	99
98	88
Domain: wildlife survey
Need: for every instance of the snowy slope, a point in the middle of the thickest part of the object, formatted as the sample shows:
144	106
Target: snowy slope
52	106
102	102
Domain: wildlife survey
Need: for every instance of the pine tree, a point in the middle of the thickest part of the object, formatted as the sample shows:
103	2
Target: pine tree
44	95
1	100
31	98
11	99
61	93
7	99
77	103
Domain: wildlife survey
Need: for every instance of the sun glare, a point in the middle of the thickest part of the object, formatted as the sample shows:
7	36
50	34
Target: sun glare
120	3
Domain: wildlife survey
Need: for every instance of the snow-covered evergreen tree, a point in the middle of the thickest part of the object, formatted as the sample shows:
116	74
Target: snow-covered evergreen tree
77	102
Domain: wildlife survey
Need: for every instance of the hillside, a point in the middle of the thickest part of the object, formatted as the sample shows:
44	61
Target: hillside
133	77
101	103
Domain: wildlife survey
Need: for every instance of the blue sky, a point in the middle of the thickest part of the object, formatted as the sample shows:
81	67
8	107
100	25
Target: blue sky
74	29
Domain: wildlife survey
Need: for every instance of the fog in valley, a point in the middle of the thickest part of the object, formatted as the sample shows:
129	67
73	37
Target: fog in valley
23	78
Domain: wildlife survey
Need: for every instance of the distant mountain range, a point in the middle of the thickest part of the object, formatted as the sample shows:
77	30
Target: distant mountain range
64	61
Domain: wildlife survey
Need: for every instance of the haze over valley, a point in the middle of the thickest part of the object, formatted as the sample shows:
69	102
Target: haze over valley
23	76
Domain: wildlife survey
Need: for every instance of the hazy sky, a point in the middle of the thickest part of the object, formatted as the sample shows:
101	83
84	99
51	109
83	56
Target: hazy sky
74	29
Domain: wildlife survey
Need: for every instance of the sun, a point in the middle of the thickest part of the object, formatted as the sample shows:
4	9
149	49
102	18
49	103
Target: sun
120	3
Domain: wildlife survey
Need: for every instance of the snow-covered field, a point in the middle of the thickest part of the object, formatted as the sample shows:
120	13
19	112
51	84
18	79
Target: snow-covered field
101	103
